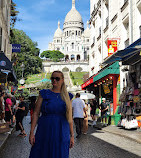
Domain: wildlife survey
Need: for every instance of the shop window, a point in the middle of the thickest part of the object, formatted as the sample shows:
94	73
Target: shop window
99	31
72	45
140	30
79	33
0	38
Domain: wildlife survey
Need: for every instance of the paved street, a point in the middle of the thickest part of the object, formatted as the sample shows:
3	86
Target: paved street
96	144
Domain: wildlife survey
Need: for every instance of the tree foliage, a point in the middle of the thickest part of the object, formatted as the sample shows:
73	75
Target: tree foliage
54	55
29	54
14	14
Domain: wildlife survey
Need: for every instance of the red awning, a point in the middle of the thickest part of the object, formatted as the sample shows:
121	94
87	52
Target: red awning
88	82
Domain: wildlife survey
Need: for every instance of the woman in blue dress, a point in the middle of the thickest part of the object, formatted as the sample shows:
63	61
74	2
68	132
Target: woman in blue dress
54	135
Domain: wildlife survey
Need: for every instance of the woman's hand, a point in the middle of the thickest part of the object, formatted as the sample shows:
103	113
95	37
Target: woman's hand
71	141
32	139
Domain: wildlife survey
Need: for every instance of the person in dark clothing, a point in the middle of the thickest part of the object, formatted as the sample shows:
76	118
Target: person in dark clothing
32	106
93	105
104	108
20	115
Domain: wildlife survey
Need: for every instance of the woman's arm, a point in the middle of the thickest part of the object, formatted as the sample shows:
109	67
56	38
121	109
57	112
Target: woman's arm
35	118
71	135
23	108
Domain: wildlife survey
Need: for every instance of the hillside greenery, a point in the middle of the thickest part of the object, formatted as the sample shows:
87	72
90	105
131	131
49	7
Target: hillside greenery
77	77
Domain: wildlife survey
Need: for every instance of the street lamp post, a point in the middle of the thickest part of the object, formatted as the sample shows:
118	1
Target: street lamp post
22	67
22	81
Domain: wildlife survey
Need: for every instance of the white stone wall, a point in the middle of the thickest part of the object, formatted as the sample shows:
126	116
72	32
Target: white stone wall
72	66
5	27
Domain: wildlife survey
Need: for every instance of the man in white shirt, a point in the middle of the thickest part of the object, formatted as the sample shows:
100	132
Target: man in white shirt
78	107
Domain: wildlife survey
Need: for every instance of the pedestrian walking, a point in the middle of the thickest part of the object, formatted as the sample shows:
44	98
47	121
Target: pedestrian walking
78	107
85	121
32	106
20	115
2	107
93	105
104	109
8	109
54	135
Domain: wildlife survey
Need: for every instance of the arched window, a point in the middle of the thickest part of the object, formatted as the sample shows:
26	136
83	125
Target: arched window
66	57
65	69
72	57
78	57
72	45
79	33
79	69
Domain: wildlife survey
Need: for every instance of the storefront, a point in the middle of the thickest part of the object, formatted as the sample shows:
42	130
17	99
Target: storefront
105	84
130	98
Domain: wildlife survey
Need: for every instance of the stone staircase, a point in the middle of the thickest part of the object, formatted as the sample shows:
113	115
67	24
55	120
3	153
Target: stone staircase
68	80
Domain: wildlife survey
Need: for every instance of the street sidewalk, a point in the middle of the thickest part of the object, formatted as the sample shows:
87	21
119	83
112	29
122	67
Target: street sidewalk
134	135
4	137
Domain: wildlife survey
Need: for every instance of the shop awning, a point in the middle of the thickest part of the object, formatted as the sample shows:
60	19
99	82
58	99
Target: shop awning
112	69
125	54
87	83
6	68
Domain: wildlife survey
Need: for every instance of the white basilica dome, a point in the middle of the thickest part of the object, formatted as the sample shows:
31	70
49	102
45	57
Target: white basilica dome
58	32
87	31
73	16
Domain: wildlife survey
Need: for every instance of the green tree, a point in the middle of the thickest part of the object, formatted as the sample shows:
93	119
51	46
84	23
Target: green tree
54	55
29	54
14	14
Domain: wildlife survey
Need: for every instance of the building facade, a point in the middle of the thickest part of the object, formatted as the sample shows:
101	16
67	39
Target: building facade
114	27
73	41
112	21
5	46
118	21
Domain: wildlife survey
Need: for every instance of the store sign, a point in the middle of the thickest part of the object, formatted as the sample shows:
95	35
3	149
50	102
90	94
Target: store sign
112	46
87	83
16	48
106	89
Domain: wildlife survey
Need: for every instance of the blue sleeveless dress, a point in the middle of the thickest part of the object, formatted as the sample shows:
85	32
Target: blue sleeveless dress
52	138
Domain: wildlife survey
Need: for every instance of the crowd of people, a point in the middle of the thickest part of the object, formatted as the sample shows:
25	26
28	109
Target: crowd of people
13	110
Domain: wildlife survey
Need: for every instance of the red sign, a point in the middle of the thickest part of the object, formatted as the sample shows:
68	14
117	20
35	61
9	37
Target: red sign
112	46
87	83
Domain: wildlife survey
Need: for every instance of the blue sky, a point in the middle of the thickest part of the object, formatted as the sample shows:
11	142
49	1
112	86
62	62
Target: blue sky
40	17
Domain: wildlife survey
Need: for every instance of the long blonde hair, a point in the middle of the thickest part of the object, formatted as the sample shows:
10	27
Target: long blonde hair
65	97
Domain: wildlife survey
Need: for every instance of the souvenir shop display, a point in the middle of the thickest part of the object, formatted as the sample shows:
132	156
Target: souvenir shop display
130	102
